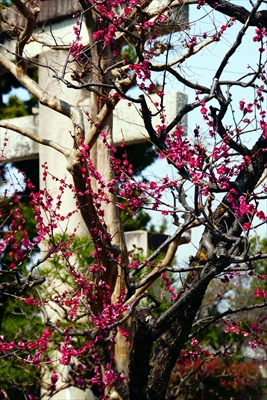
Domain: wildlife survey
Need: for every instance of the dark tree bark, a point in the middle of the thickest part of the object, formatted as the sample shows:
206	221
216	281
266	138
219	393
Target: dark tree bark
238	12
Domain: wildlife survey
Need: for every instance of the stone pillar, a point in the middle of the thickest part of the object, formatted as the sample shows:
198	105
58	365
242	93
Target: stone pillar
58	128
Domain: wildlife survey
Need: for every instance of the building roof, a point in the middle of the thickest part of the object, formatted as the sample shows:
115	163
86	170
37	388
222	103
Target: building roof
54	10
51	11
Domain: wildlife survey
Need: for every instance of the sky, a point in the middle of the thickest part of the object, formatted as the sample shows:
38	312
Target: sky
202	68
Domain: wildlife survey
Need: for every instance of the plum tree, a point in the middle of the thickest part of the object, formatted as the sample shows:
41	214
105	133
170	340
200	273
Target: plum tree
105	327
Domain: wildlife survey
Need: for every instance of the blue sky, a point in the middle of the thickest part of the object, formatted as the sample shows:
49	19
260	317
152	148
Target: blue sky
201	68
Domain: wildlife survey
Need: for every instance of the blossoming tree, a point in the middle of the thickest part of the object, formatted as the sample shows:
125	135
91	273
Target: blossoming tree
110	330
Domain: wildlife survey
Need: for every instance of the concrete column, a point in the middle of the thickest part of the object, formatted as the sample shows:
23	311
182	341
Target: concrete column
58	128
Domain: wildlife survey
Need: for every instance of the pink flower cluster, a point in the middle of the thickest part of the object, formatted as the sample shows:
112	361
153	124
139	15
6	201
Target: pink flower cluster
260	34
76	47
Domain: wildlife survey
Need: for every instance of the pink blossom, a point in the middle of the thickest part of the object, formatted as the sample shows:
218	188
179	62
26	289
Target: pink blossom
241	105
79	381
203	110
260	293
153	185
160	93
246	226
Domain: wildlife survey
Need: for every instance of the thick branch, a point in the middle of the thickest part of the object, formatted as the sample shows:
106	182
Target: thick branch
146	114
140	354
170	343
31	17
238	12
46	142
239	147
74	113
97	230
28	282
185	110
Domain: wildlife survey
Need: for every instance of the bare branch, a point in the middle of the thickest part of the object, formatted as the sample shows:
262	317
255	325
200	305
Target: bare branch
230	311
74	113
31	17
46	142
238	40
240	13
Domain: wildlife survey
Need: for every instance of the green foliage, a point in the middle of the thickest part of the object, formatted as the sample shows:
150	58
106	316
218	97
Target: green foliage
245	292
59	270
258	245
17	108
162	294
21	323
129	53
158	289
80	248
7	83
138	222
24	323
161	229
